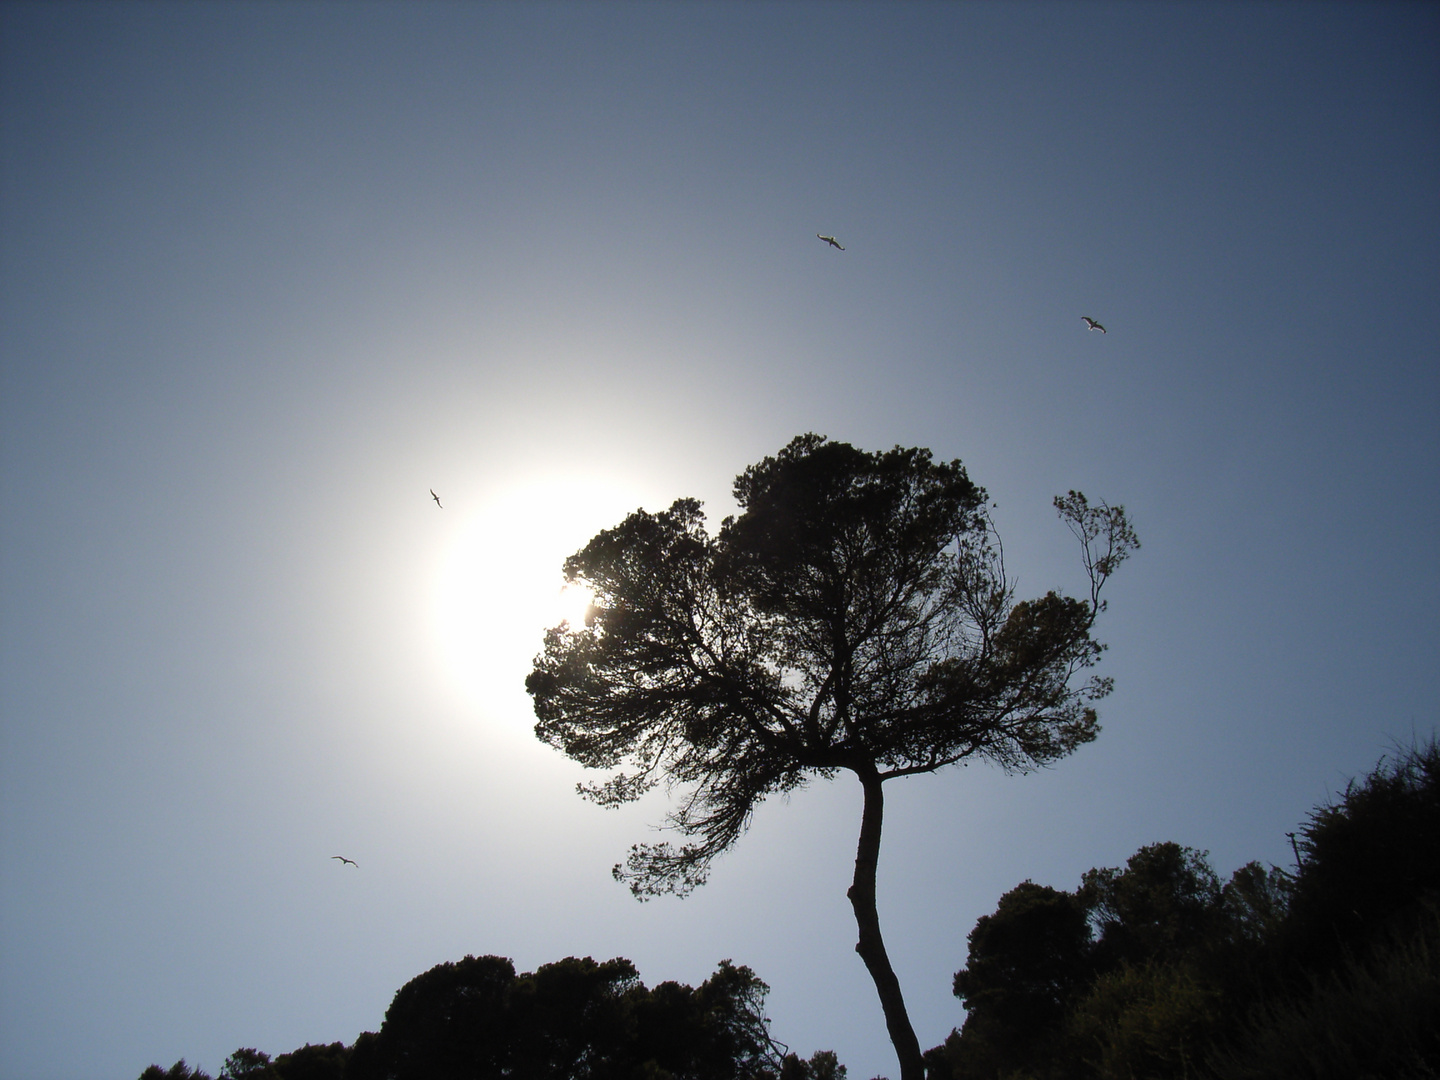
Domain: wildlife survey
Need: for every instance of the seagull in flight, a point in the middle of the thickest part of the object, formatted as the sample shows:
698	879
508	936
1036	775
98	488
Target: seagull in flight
437	499
831	241
1092	324
343	859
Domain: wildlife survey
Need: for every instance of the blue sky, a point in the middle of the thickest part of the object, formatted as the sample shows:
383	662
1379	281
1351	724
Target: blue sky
269	273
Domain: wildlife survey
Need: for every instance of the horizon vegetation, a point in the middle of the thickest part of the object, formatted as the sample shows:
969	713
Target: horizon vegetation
1154	969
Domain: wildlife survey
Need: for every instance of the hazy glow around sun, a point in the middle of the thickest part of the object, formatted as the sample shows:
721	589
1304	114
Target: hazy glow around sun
501	584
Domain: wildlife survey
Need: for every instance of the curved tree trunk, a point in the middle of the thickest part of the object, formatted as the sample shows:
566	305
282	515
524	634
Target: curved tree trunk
871	946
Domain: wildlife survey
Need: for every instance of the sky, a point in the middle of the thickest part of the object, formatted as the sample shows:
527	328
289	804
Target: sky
270	273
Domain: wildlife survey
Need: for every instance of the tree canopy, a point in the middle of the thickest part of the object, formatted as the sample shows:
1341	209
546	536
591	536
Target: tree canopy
1026	961
577	1019
178	1071
1156	970
855	615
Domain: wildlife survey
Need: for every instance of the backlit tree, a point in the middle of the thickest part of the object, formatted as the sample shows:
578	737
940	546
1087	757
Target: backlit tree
856	615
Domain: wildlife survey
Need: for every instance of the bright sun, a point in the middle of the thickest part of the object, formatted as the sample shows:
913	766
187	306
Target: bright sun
501	585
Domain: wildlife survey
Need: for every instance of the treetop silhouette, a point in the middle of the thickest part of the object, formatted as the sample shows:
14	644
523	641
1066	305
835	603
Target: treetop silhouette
856	615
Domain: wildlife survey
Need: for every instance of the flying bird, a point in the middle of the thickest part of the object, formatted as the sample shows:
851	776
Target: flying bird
1092	324
343	859
437	499
831	241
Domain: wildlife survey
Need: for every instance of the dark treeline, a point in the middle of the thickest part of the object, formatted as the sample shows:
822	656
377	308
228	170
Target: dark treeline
1159	970
478	1020
1156	970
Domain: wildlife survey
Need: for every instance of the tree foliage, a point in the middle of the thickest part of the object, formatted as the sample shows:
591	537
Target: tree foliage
1372	1014
178	1071
1026	962
317	1062
247	1063
1161	905
1105	974
576	1019
1367	855
855	615
1331	972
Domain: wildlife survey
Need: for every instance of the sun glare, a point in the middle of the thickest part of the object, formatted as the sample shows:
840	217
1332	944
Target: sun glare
501	585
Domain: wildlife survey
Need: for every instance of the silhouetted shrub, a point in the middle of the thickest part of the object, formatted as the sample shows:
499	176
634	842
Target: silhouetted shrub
1366	1018
1368	858
1158	971
178	1071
